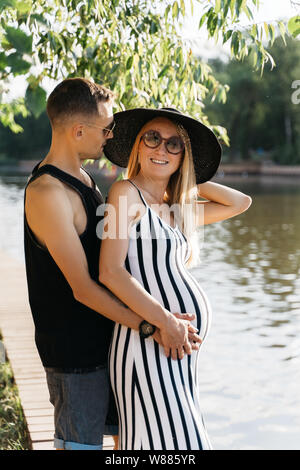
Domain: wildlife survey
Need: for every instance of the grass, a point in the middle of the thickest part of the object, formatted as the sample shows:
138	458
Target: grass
13	430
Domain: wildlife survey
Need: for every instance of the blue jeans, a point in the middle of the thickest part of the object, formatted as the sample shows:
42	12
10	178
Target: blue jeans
84	408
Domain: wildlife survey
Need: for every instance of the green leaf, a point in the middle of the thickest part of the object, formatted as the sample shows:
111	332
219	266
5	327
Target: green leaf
114	68
212	23
35	100
192	7
175	10
232	7
153	27
23	6
197	74
235	43
202	19
240	6
266	26
182	7
272	33
282	30
217	6
226	8
294	26
18	65
167	10
7	3
221	96
129	62
273	64
254	31
19	40
255	57
3	61
39	19
164	71
227	35
248	13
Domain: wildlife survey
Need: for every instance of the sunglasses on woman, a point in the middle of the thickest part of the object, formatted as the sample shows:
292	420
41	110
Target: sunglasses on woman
153	139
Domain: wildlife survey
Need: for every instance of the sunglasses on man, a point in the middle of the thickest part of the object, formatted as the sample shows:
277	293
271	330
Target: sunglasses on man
106	130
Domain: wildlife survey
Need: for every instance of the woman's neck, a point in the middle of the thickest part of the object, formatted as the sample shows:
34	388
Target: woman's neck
156	189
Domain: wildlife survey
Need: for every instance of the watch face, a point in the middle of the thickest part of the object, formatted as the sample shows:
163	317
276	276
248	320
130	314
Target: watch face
147	329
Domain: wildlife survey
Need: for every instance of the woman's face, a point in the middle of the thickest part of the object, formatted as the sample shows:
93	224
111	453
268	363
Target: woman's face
158	162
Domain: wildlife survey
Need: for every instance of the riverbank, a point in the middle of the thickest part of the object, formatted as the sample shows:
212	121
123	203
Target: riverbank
24	168
13	428
258	169
244	169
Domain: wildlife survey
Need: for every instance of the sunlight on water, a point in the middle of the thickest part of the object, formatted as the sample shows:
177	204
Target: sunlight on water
251	375
11	216
250	369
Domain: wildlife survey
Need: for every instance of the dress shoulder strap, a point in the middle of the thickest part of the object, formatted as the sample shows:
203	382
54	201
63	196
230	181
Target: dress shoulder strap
139	191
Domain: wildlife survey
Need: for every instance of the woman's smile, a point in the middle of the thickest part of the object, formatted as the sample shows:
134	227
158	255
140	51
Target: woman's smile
157	161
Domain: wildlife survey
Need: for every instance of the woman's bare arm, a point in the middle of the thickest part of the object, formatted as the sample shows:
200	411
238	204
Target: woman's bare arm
221	203
113	274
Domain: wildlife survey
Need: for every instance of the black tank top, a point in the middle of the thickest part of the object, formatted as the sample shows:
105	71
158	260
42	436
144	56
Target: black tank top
67	333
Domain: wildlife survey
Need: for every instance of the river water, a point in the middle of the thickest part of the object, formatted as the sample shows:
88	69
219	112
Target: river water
250	270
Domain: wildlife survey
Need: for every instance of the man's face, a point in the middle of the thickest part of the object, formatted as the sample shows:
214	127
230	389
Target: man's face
95	132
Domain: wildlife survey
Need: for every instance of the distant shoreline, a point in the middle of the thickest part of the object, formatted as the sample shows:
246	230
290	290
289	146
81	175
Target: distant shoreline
243	169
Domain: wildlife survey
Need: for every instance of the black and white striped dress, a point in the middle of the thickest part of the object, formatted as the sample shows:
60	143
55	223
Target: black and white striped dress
157	397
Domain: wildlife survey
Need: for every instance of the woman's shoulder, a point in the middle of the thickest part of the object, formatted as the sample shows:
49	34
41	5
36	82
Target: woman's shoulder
124	188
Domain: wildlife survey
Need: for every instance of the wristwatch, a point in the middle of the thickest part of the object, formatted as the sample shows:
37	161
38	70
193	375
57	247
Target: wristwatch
146	329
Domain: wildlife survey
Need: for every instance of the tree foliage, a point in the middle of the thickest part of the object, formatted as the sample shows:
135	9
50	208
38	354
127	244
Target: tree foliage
261	116
135	47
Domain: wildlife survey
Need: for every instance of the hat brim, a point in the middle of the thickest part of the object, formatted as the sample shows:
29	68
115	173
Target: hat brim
205	146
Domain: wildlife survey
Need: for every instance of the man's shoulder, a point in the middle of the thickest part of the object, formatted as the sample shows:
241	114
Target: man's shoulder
45	184
45	192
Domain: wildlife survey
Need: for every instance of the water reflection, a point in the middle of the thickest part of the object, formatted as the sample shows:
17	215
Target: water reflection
250	364
250	270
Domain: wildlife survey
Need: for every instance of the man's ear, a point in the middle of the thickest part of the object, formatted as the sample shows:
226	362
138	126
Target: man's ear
77	131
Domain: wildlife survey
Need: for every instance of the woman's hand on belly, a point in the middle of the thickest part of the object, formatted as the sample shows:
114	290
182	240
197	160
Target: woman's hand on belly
194	339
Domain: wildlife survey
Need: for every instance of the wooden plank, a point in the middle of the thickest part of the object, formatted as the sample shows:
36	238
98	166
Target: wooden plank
27	381
40	412
40	427
46	445
17	328
32	420
38	436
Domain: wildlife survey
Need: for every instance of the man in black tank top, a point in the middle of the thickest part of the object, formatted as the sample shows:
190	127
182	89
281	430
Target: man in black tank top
73	314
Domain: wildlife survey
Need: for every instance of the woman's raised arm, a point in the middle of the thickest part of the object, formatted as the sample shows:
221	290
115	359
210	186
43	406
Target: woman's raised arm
221	203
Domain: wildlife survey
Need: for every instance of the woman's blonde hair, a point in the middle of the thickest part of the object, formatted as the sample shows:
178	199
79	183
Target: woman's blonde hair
181	190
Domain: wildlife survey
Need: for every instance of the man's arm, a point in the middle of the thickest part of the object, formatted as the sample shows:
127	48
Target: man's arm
50	216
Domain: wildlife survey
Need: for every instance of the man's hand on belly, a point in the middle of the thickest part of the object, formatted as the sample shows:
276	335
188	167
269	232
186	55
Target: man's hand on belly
194	338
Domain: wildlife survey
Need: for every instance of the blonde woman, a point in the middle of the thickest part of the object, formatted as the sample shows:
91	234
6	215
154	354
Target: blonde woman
146	249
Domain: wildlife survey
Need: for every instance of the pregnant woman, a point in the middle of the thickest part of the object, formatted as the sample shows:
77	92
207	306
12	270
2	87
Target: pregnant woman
147	245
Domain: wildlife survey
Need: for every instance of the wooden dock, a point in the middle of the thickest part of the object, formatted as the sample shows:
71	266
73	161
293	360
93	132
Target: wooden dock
17	329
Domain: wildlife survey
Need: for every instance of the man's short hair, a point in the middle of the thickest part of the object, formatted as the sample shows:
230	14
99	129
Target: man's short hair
76	96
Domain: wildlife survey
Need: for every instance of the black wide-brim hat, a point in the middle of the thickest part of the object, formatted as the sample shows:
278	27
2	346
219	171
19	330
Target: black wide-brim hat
206	149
